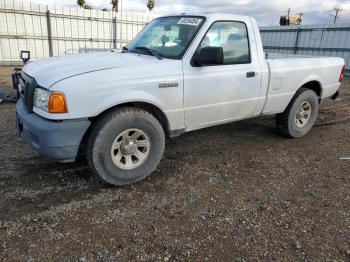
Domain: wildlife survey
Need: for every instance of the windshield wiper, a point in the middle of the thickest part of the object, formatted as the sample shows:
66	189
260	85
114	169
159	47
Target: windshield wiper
150	51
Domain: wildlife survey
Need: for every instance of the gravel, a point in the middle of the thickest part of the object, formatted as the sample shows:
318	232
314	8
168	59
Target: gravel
237	192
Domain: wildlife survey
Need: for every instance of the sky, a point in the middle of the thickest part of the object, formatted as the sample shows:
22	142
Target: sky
267	12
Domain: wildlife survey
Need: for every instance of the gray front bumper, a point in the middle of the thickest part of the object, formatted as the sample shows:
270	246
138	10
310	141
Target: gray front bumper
59	140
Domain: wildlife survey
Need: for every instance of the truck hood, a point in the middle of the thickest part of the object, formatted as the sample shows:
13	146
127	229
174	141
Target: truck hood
49	71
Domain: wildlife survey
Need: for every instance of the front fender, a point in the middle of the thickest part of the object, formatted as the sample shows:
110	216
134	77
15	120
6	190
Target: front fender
90	95
175	117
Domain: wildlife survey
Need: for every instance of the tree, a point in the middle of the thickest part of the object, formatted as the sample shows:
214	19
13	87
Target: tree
104	9
81	3
151	4
115	4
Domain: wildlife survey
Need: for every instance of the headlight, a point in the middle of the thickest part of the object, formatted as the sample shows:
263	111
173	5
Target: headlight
41	99
51	102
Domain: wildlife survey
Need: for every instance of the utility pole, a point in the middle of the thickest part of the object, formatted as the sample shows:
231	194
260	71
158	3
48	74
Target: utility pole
301	15
285	20
337	11
288	16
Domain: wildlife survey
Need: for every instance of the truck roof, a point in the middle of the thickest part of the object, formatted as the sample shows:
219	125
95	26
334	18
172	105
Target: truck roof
212	16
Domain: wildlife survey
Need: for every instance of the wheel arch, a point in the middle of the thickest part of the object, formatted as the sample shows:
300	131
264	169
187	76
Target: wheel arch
315	86
149	107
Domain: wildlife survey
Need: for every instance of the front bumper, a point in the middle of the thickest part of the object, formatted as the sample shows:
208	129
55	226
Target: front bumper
59	140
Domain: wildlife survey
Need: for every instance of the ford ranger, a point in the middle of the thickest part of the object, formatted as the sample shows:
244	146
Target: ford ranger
181	73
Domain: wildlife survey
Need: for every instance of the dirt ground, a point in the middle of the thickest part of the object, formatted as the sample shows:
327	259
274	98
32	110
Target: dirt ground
238	192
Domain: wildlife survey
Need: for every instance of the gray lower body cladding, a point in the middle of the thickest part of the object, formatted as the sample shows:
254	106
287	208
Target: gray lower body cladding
59	140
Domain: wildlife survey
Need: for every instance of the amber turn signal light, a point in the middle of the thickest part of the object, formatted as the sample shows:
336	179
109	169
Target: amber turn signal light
57	103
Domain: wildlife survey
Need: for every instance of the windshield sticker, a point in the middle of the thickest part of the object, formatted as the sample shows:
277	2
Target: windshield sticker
190	21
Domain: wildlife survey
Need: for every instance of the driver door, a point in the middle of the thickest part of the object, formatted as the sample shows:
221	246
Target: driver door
223	93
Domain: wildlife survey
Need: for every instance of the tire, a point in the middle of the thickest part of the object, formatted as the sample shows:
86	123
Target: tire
293	121
125	146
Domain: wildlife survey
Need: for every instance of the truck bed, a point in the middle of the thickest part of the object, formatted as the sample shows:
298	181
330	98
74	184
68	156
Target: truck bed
289	71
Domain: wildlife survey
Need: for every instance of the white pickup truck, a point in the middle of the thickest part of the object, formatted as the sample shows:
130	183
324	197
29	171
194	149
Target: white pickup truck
181	73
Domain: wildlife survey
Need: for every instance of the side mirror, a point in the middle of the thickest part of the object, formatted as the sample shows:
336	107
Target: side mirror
25	56
208	56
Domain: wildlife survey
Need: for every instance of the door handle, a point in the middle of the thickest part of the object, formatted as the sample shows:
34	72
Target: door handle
251	74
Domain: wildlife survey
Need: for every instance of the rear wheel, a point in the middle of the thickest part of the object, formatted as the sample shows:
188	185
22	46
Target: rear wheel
300	116
125	146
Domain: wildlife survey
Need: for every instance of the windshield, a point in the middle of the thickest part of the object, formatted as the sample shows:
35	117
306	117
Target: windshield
168	37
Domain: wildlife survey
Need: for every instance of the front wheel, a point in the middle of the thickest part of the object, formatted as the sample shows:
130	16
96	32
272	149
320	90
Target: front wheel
125	146
300	116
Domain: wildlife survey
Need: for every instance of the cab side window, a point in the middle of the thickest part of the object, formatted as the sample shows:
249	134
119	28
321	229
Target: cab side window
233	38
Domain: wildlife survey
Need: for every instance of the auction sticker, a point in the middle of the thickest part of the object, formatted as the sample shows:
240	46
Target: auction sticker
190	21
